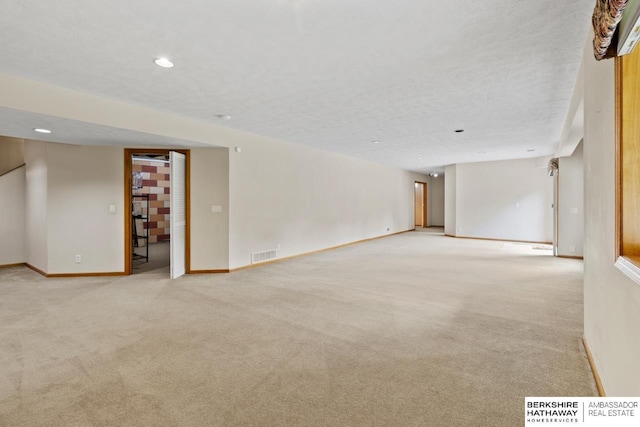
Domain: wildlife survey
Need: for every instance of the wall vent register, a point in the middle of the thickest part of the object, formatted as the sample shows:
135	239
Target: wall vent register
257	257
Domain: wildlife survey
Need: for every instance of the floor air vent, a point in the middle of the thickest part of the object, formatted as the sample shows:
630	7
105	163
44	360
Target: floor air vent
263	256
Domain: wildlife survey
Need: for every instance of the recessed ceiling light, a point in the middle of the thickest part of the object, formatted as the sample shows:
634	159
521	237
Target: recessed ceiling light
41	130
459	130
163	62
419	158
375	142
223	116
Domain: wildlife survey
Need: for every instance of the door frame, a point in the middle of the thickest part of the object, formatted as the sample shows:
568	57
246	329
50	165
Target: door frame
424	203
128	222
556	211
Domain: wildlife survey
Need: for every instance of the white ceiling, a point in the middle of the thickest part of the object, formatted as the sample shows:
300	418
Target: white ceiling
333	74
20	124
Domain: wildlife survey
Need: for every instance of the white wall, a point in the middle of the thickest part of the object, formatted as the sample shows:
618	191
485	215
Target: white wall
507	199
272	193
343	199
437	201
69	208
209	231
12	211
305	199
450	198
611	300
82	183
36	243
68	192
571	204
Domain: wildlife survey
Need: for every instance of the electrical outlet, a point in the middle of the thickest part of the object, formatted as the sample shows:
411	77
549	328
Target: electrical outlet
78	259
112	209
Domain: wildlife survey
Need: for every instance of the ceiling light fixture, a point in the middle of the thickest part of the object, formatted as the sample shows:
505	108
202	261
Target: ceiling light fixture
223	116
41	130
531	150
375	142
163	62
419	158
459	130
433	174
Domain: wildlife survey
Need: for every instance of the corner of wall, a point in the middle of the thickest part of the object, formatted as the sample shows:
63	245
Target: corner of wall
570	209
450	200
12	212
36	242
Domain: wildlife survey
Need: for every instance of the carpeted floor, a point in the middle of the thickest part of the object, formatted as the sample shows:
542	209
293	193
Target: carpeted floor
411	330
159	257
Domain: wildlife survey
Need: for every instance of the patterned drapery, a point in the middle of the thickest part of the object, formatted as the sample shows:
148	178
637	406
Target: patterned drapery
606	16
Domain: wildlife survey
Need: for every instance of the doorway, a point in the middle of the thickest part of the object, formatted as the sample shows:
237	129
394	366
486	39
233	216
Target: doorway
155	179
420	204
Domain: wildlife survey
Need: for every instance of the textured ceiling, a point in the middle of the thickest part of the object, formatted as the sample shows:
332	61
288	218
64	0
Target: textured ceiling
333	74
20	124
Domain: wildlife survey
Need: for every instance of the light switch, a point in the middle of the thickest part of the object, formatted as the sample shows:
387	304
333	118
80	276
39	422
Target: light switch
112	209
216	209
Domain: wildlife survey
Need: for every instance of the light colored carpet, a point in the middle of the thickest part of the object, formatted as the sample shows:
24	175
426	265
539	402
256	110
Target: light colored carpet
411	330
159	257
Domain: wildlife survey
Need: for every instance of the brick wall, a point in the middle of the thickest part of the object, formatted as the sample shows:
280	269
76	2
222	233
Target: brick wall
155	182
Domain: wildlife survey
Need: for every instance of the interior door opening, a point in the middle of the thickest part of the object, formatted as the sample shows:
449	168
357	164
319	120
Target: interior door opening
150	190
420	204
178	214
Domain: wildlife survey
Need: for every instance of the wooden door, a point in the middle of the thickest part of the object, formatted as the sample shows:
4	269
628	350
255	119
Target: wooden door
420	205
